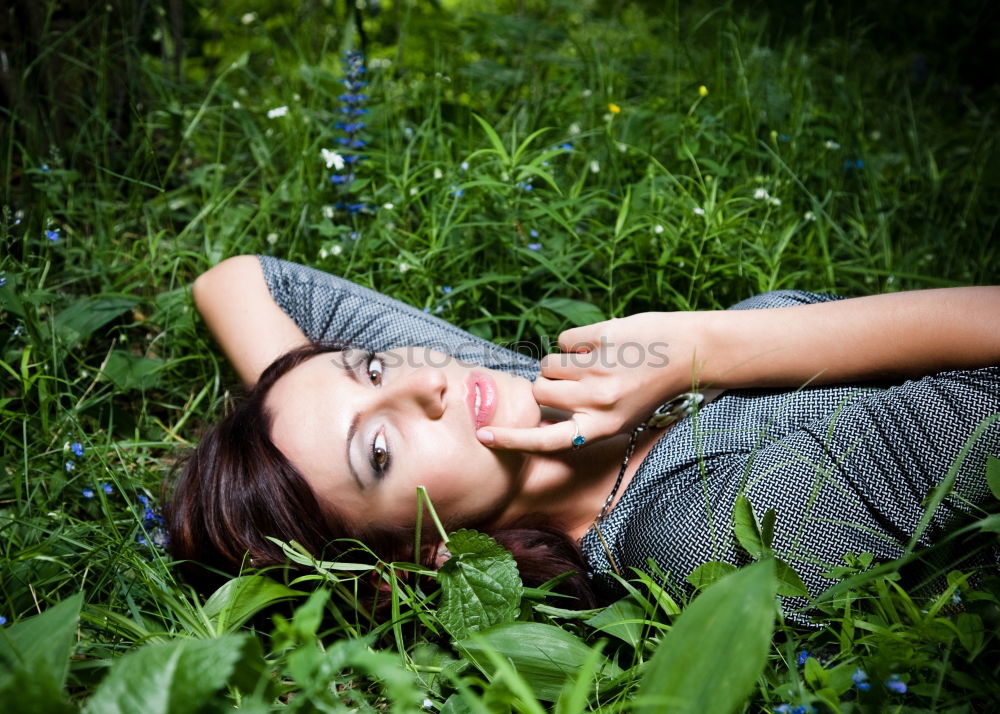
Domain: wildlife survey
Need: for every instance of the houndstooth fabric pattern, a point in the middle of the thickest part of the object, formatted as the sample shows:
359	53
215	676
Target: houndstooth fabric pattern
846	468
328	308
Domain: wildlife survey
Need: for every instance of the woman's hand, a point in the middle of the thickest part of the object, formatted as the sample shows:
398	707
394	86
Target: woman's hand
609	377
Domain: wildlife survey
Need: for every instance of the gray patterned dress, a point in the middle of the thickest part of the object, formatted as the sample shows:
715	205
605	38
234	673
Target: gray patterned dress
846	468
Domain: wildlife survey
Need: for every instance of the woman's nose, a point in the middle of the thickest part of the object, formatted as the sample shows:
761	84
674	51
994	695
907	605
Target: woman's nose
425	388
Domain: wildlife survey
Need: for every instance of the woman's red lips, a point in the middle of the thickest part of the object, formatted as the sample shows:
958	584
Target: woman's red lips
481	397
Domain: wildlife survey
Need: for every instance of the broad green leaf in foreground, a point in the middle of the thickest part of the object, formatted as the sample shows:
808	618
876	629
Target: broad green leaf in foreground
717	648
239	599
34	659
169	678
480	584
544	656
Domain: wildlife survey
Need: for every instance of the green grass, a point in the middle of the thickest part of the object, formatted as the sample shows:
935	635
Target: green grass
153	170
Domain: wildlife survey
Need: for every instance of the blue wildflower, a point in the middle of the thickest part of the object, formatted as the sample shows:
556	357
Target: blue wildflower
456	191
337	178
446	289
464	166
88	493
534	246
956	597
801	659
566	146
3	620
533	233
860	678
3	280
351	143
70	466
77	448
427	310
784	137
52	235
850	164
106	487
895	684
354	235
44	167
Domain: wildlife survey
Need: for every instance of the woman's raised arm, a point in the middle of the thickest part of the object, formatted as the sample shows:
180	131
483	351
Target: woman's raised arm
611	375
237	306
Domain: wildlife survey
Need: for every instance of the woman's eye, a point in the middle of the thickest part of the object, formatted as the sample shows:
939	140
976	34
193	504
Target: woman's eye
380	453
375	368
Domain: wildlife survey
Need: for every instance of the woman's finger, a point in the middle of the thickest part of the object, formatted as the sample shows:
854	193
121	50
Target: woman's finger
581	339
568	365
563	394
548	438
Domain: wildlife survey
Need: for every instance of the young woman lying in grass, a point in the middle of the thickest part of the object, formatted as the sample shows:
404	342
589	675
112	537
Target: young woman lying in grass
553	459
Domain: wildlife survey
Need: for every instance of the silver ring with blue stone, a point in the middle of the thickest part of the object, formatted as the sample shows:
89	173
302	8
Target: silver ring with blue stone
578	438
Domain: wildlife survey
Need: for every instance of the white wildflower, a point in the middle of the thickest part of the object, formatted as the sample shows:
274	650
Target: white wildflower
323	254
438	173
608	116
336	250
622	147
774	201
236	104
809	216
699	211
403	267
574	128
297	97
586	93
380	63
248	18
327	211
761	194
657	229
277	112
464	166
875	135
272	238
388	206
831	144
332	159
595	167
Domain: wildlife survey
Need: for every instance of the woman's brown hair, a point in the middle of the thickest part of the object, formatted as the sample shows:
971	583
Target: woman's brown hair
237	490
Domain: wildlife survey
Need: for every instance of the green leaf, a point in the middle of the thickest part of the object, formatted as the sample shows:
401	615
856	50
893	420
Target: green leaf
713	654
128	371
577	312
82	318
746	528
241	598
545	656
35	656
767	528
491	134
814	673
480	584
708	573
789	582
169	678
993	475
624	619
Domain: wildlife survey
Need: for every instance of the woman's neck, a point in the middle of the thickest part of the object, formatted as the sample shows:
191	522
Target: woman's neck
569	488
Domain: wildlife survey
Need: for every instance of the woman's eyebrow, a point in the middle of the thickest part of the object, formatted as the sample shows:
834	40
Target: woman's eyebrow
351	372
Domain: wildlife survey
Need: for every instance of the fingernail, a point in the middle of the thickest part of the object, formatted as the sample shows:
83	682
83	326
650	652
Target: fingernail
485	436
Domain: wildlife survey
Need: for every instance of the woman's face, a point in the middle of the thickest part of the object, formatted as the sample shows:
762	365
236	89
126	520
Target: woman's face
366	429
